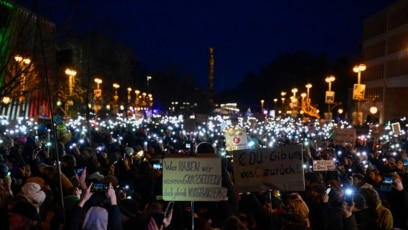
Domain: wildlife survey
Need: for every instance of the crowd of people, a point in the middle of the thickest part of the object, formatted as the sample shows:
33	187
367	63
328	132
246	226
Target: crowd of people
107	179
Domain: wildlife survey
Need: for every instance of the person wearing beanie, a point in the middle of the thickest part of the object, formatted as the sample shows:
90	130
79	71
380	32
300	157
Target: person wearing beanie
76	219
33	193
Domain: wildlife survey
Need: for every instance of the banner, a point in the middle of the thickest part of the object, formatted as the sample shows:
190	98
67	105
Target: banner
344	136
329	99
263	169
193	179
236	139
359	92
324	165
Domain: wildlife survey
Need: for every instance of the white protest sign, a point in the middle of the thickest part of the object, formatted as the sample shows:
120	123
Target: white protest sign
344	136
236	139
192	179
324	165
260	169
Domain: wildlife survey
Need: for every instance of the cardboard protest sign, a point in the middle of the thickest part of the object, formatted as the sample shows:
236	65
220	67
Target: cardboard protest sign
193	179
236	139
344	136
263	169
324	165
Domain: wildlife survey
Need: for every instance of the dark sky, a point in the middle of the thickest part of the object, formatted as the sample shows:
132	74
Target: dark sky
245	34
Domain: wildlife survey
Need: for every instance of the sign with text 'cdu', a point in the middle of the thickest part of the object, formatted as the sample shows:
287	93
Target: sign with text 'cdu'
195	178
272	168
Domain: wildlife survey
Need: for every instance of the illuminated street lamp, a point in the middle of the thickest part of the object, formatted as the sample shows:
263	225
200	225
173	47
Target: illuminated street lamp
262	103
129	90
97	94
329	98
116	97
358	69
283	94
23	64
294	91
137	92
98	82
71	74
308	86
358	94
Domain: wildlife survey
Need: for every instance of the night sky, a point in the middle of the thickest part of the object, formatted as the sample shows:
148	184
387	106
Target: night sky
245	34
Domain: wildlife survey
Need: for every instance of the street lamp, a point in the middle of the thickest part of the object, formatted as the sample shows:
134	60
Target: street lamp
71	74
98	82
116	97
329	96
283	94
358	94
262	103
137	92
22	61
129	90
308	86
97	94
329	80
358	69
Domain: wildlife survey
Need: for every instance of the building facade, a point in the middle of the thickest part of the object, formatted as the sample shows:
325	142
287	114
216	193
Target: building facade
27	62
385	52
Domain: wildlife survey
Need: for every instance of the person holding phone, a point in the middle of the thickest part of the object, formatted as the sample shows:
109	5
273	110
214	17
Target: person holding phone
79	215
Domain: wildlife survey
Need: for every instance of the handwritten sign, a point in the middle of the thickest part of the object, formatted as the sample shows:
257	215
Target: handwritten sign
192	179
344	136
262	169
236	139
324	165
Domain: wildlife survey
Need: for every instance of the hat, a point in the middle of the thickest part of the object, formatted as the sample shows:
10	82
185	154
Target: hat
27	210
96	176
129	207
3	170
319	188
129	150
33	193
96	218
391	160
43	166
358	176
36	179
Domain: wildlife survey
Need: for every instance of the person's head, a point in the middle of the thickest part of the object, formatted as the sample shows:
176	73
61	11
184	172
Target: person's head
375	176
155	210
23	215
358	178
33	193
299	207
96	218
68	161
400	164
371	196
233	223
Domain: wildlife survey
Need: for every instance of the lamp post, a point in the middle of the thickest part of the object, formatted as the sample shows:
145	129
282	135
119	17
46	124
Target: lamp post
23	63
262	104
137	104
5	101
283	94
71	74
358	94
329	98
115	98
97	94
